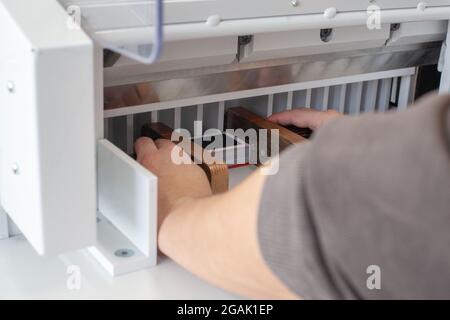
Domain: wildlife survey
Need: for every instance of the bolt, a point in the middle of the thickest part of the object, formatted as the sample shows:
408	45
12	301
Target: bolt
124	253
244	40
395	26
326	35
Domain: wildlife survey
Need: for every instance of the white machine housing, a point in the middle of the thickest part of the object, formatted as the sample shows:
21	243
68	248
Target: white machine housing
70	111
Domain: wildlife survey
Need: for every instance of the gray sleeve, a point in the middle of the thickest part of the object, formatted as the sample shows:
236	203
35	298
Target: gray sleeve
367	196
286	230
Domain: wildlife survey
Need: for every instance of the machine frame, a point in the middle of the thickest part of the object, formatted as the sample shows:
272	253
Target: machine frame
53	100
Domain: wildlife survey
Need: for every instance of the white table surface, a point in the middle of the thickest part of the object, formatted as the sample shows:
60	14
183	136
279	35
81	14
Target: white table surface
26	275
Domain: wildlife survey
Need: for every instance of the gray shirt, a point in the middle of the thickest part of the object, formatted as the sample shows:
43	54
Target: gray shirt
363	210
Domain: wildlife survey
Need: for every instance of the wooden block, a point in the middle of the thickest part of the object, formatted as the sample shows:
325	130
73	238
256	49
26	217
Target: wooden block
242	118
304	132
217	173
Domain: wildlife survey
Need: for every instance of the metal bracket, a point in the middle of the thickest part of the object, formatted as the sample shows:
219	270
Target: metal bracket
127	226
116	253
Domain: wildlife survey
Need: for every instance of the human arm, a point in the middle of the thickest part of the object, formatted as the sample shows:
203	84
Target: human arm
337	207
214	237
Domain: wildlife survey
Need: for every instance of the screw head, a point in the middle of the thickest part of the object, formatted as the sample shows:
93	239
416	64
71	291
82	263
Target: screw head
213	21
10	86
395	26
326	35
124	253
422	6
244	40
295	3
330	13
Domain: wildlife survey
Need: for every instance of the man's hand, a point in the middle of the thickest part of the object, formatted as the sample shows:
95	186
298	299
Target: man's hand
176	183
215	237
304	118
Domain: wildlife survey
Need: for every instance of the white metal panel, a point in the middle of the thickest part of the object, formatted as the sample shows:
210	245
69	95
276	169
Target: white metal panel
207	100
370	97
116	14
47	138
130	134
101	126
384	95
220	115
269	24
180	55
199	116
269	105
308	98
342	98
127	195
404	97
290	97
326	98
177	118
417	32
154	116
355	98
308	42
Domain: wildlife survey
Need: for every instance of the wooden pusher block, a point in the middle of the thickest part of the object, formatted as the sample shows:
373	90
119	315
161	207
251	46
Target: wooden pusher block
242	118
216	172
235	118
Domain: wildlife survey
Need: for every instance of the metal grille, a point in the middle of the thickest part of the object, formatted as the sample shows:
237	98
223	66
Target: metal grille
357	94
